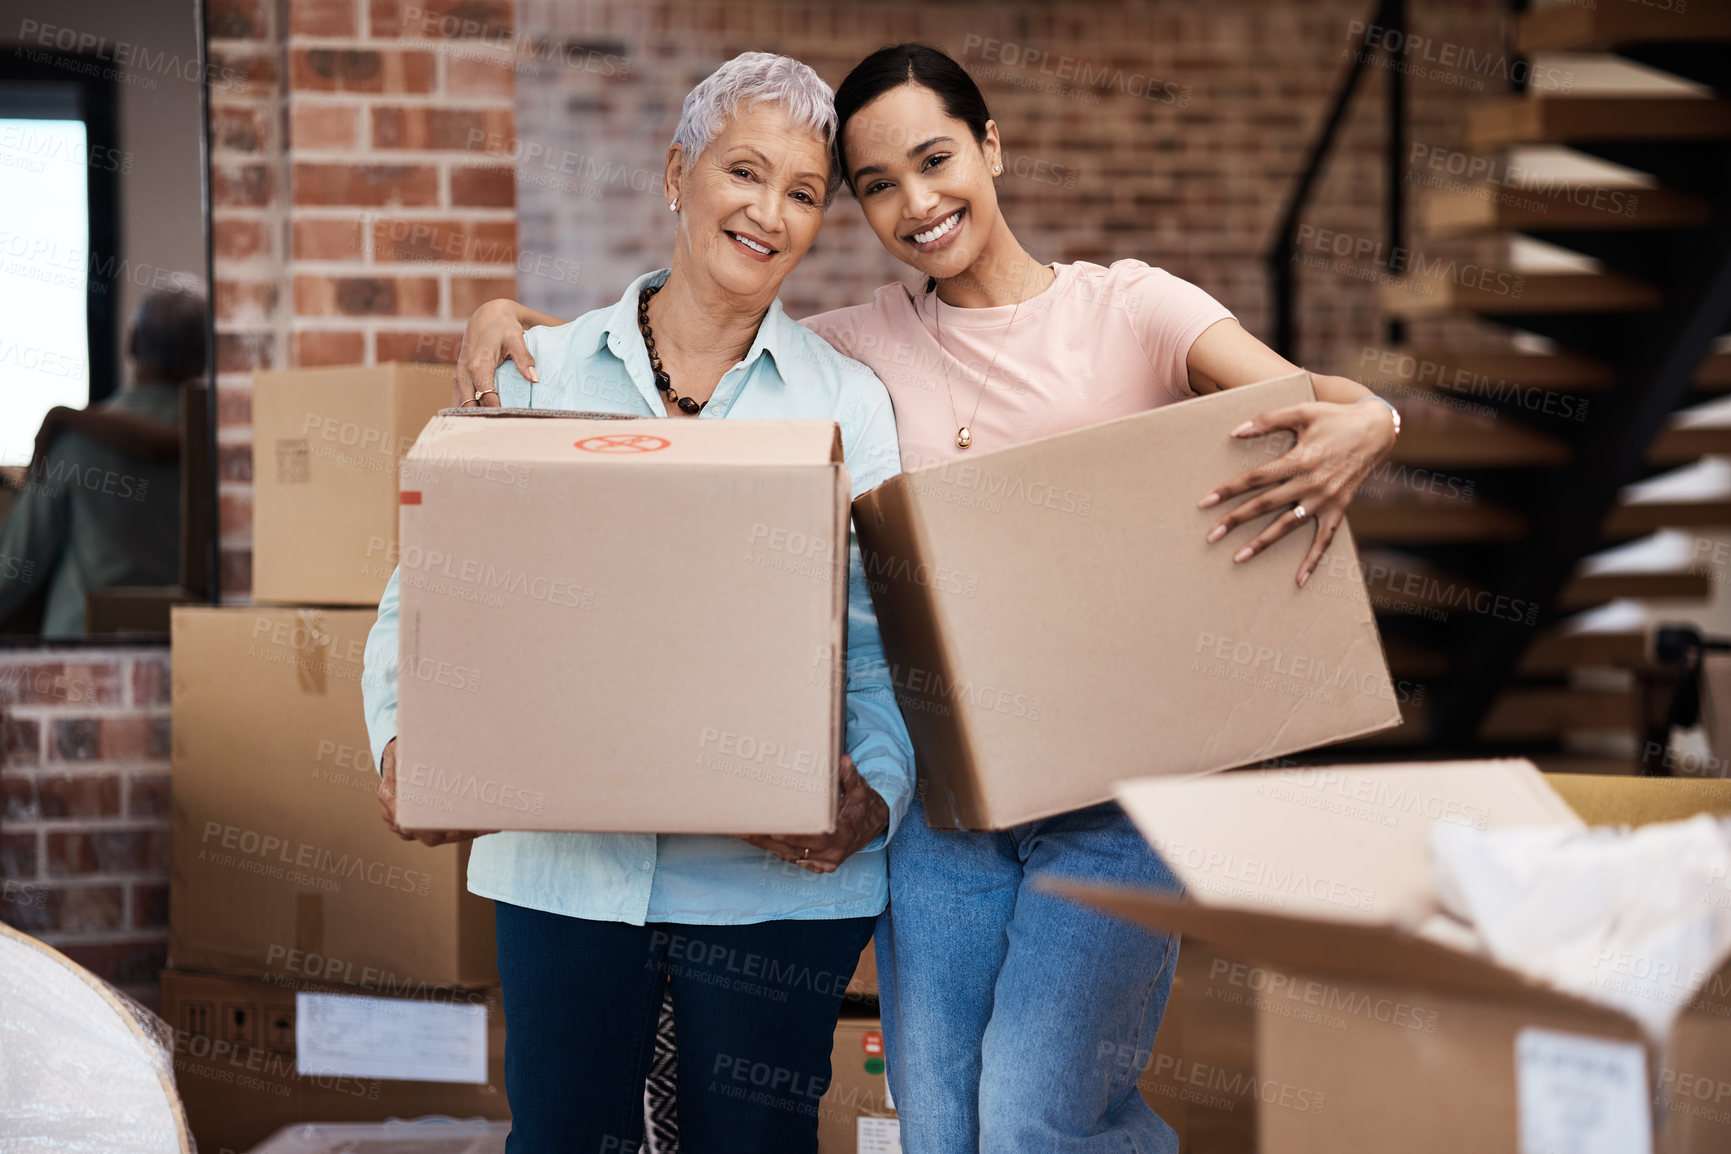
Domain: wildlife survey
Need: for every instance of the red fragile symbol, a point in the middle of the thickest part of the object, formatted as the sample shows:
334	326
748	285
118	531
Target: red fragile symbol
623	443
872	1042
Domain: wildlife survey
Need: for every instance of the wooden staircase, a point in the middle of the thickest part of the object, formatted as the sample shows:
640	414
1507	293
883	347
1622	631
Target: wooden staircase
1518	613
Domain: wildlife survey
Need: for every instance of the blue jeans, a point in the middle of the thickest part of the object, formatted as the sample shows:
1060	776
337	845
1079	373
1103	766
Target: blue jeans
1018	1021
754	1013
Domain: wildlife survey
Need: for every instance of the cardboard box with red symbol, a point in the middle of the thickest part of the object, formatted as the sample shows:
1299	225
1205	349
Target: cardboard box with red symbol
648	616
857	1115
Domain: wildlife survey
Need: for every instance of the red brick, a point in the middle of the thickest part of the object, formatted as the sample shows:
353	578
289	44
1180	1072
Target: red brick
315	347
324	17
81	795
234	515
426	348
366	296
481	76
324	126
241	352
245	301
238	128
367	184
234	462
88	909
445	129
470	292
149	906
17	798
124	739
328	239
18	857
455	241
236	571
106	851
151	684
239	185
239	239
236	72
441	19
233	405
360	70
477	187
235	20
20	741
74	739
148	795
159	737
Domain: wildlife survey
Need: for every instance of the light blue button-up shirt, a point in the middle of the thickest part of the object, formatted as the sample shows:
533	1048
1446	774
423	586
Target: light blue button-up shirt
597	363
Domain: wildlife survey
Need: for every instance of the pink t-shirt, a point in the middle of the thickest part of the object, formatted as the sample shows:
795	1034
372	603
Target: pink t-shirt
1099	343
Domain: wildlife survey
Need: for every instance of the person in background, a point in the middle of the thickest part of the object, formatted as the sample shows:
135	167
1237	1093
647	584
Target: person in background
100	505
593	928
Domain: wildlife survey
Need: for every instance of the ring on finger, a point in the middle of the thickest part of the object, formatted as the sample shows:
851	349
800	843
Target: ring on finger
476	399
1299	512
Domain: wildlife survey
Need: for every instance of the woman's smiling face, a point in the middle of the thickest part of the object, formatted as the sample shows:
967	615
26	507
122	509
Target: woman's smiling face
752	203
923	180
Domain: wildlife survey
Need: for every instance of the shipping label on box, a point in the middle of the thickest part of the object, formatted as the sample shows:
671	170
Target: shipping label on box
647	636
247	1059
1056	621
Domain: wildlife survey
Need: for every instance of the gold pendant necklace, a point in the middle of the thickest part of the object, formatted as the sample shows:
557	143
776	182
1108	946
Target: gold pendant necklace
965	430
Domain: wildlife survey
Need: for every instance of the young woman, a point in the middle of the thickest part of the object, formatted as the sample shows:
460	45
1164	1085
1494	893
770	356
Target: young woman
1016	1021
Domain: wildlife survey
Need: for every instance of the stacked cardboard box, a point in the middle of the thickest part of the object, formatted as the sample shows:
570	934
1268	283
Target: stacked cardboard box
317	960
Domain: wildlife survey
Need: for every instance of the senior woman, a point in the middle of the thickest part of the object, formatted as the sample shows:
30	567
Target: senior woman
755	937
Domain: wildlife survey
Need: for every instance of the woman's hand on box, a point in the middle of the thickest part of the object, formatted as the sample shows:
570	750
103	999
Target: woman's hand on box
388	807
1338	446
493	336
861	816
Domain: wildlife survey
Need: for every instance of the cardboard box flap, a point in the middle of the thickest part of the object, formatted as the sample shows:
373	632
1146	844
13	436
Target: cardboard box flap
1341	842
583	441
1373	953
1607	799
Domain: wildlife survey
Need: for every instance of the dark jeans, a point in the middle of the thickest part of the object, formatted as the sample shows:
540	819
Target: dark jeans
754	1012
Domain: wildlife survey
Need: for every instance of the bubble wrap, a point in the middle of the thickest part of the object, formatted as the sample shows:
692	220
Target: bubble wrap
83	1068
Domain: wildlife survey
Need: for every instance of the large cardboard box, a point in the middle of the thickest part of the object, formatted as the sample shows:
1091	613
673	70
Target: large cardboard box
281	863
254	1055
1055	619
856	1114
1317	878
622	626
326	445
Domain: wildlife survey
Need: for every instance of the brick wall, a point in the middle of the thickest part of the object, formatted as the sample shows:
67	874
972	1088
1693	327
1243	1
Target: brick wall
355	216
1179	148
84	806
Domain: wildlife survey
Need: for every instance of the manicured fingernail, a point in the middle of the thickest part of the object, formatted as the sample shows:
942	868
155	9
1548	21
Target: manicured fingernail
1209	501
1303	577
1216	533
1243	554
534	377
1244	428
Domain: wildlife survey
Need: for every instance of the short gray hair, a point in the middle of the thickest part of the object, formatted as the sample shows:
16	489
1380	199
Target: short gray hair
753	78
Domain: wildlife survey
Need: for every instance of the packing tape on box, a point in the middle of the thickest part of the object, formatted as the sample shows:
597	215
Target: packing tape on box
313	638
